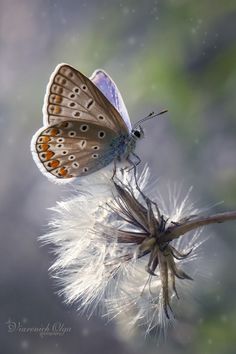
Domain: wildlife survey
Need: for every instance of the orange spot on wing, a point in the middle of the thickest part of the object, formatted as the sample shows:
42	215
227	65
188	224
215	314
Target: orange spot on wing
63	172
44	147
43	139
49	155
54	164
54	131
57	110
57	99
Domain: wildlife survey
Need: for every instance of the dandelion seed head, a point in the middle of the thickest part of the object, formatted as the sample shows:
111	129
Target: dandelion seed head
96	272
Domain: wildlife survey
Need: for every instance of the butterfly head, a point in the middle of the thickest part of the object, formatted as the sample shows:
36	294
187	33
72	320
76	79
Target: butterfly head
138	133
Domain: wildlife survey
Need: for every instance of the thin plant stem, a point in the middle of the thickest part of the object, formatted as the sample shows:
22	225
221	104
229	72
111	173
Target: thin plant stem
178	229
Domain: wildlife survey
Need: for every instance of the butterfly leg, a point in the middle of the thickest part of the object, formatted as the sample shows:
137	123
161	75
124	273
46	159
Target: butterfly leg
128	168
134	168
114	171
138	159
134	164
143	195
146	199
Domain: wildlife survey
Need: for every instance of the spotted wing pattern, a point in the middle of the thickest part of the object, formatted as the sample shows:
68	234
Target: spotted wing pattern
72	96
74	148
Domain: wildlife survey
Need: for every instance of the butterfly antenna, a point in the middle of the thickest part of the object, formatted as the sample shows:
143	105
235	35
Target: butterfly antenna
150	116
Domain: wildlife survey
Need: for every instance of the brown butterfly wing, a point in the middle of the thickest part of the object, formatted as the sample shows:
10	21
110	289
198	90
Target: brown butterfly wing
66	150
72	96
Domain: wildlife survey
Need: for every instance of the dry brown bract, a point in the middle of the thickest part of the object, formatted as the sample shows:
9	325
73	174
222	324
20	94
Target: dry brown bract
149	230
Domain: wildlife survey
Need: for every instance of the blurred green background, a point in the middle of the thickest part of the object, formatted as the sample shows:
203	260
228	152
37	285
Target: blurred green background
174	54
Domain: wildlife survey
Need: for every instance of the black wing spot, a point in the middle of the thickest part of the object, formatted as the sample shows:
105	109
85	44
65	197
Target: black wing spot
72	133
83	144
60	140
101	134
64	124
76	114
84	127
90	103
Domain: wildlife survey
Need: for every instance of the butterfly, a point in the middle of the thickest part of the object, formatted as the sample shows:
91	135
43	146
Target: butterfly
86	125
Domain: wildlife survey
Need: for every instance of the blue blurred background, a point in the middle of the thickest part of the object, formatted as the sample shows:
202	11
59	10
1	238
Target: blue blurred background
174	54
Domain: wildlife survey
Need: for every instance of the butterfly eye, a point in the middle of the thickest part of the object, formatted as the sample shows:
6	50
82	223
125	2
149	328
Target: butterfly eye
101	134
84	127
137	133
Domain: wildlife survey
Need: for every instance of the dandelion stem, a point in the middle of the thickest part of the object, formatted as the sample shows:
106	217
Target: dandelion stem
179	229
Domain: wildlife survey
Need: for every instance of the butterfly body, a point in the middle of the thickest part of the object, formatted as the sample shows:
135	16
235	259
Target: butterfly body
85	129
123	146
